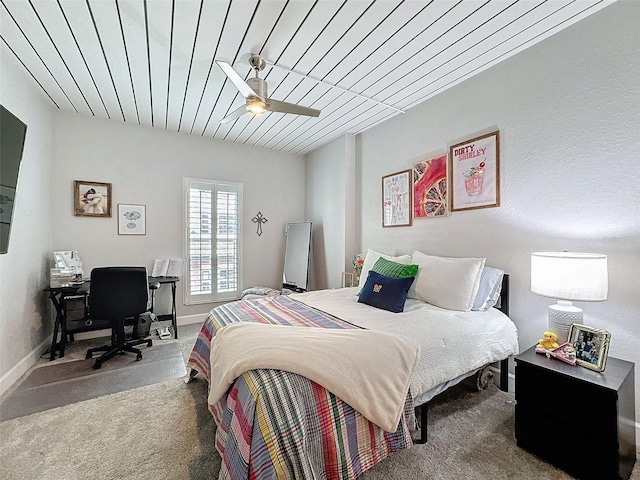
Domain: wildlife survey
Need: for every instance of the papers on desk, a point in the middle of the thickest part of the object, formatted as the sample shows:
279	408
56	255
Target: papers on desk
167	267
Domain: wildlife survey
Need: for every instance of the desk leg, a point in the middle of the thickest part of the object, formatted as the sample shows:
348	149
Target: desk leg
63	337
58	326
174	317
54	342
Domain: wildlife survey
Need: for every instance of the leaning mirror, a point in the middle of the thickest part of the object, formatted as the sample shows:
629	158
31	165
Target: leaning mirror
295	275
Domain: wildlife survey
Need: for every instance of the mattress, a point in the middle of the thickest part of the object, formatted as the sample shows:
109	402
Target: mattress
452	343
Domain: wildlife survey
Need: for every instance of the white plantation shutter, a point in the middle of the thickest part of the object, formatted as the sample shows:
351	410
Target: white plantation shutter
213	241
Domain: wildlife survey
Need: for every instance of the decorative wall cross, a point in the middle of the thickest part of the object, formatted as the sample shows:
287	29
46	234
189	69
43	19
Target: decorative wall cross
259	219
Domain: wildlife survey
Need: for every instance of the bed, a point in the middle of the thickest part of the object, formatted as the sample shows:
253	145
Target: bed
278	424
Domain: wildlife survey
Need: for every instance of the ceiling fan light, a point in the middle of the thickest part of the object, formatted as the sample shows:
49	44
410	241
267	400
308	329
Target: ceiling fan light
256	106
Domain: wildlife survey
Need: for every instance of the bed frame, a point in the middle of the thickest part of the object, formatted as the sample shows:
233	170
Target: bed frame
503	306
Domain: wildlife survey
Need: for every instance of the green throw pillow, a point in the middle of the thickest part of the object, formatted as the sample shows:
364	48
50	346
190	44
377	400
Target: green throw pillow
392	269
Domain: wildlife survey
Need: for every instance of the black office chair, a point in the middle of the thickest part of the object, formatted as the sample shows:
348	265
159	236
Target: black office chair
118	294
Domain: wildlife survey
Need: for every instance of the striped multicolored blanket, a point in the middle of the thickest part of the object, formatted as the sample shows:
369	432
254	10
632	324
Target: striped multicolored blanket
276	424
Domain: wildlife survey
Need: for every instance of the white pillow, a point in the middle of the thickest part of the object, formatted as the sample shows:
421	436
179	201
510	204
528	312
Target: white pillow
489	289
446	282
372	257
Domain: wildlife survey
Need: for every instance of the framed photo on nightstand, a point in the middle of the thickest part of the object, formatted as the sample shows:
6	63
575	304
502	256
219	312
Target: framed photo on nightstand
592	346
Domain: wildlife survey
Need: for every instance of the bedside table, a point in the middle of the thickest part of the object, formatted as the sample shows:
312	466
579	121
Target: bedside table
579	420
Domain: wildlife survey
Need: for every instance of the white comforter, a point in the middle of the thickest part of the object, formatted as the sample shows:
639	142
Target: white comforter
368	369
451	343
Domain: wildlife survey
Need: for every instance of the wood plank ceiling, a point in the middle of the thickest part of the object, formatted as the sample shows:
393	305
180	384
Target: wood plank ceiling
360	62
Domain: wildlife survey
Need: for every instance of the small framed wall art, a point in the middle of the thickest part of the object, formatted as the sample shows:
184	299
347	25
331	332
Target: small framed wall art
91	199
430	188
347	280
475	173
397	199
131	219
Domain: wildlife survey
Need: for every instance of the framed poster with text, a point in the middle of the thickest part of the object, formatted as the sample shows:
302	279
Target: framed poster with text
475	173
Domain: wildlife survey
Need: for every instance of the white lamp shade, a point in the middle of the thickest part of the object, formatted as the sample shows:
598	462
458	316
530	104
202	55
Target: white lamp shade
570	276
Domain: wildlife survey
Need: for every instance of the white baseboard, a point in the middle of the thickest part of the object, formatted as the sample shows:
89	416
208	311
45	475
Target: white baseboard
20	368
186	320
511	380
189	319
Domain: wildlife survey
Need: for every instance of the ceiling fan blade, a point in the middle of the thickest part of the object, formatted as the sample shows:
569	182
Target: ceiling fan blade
284	107
235	114
245	90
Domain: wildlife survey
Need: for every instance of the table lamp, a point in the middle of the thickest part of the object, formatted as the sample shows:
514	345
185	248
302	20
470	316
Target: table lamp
569	277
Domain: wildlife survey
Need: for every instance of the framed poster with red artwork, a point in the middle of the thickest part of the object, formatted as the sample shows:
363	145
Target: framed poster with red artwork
430	188
475	173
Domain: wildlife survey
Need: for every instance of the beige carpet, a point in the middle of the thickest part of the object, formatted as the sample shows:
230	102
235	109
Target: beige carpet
164	431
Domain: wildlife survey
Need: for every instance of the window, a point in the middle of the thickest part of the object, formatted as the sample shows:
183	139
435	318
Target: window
213	241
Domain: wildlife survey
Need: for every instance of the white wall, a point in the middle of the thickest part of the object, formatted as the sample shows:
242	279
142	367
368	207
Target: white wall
146	166
568	111
330	205
24	322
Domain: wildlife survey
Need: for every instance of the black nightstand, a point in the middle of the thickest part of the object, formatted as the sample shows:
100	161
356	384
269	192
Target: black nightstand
579	420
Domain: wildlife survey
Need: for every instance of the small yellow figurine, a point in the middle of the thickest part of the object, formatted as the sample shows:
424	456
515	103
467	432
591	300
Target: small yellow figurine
549	342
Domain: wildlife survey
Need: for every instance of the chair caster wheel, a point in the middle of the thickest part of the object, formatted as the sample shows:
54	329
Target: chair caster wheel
149	343
88	356
138	357
97	365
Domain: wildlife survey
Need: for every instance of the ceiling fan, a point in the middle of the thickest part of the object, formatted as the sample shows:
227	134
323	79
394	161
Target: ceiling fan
254	90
